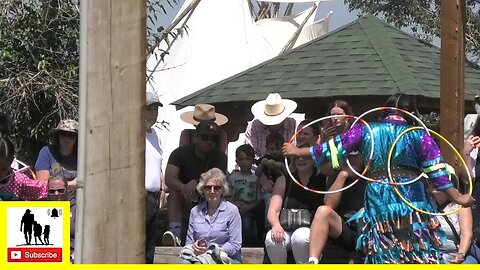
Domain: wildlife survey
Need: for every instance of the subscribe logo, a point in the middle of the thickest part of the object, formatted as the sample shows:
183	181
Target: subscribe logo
34	255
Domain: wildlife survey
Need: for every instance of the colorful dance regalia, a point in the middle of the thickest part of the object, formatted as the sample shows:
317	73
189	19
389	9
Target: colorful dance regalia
389	230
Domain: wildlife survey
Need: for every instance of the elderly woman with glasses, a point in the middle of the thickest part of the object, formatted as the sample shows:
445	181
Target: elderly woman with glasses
215	220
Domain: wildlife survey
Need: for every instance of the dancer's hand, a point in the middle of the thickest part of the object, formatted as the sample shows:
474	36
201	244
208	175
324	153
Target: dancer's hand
289	150
465	200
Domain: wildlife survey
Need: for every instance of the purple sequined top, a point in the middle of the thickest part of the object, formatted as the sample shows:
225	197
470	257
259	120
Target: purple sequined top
416	149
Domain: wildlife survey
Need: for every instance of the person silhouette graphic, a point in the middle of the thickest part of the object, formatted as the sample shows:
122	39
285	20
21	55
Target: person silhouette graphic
37	232
46	234
27	224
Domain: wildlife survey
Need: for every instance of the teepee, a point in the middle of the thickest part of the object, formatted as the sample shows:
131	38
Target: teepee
222	38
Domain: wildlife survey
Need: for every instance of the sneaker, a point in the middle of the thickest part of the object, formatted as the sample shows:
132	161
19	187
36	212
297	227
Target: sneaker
170	240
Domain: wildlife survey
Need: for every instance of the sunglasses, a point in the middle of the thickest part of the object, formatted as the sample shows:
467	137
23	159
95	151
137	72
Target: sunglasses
67	134
209	188
55	191
211	138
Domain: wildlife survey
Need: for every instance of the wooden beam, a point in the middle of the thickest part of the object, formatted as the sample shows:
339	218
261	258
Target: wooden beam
113	70
452	92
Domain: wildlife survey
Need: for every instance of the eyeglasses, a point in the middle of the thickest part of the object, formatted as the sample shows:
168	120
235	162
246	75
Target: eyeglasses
209	188
211	138
55	191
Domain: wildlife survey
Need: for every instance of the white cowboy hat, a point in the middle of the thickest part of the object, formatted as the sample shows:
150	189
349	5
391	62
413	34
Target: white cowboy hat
203	112
273	110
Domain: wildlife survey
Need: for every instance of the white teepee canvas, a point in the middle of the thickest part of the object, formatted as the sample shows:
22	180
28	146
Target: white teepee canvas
222	39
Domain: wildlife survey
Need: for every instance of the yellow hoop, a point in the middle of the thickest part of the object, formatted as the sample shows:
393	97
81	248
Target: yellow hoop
396	189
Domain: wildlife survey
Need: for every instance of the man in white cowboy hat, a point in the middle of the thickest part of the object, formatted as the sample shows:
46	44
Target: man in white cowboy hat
203	112
153	174
185	165
271	116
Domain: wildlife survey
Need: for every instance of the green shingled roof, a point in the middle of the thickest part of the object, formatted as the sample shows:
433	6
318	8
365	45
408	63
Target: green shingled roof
365	57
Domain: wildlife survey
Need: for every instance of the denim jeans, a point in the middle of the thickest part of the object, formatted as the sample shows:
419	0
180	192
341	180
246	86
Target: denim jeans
473	255
248	225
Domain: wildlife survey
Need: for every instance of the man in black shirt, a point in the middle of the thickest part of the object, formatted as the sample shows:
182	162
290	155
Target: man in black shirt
185	165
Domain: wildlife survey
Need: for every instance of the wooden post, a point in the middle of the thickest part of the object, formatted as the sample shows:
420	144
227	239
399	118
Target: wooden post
452	93
112	72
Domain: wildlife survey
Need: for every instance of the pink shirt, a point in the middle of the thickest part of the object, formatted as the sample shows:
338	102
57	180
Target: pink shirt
25	188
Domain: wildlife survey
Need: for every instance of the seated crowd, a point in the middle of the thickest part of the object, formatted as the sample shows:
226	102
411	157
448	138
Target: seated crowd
292	209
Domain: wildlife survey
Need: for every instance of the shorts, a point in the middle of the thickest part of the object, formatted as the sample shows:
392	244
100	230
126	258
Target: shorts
348	237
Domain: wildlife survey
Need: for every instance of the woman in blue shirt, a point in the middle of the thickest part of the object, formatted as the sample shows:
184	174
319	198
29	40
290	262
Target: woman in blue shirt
61	155
214	221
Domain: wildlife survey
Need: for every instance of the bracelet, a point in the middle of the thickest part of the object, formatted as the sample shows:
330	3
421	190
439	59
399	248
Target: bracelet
462	254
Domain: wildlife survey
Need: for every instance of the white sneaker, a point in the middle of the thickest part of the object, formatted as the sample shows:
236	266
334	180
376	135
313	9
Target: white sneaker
170	240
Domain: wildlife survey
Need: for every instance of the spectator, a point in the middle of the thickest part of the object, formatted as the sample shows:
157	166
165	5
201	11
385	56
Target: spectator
58	191
271	116
204	113
214	221
289	195
337	125
471	153
457	226
310	135
329	228
246	193
61	155
14	184
185	165
153	175
270	167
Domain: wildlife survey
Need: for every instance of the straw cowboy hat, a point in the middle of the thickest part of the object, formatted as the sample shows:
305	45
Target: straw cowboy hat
273	110
203	112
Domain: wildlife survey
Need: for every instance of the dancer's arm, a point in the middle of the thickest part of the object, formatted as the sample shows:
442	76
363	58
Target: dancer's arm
333	149
434	166
465	200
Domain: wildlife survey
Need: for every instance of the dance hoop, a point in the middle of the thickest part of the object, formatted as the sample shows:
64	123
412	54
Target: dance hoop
398	192
379	180
331	191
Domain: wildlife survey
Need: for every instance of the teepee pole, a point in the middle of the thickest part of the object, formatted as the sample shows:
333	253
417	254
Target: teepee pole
292	40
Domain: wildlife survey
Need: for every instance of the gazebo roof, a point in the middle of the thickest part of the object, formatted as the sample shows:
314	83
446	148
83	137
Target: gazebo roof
366	57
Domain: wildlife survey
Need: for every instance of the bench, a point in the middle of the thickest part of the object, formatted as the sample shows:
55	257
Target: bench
169	255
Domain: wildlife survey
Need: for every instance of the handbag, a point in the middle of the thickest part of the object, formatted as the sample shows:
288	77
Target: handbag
292	219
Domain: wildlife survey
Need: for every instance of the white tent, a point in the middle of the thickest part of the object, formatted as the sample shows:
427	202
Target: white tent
222	40
279	31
